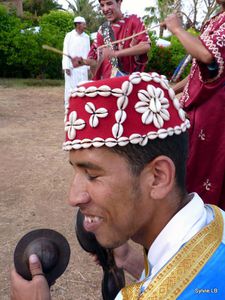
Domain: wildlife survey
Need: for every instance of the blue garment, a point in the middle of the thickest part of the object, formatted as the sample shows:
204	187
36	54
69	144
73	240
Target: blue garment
210	281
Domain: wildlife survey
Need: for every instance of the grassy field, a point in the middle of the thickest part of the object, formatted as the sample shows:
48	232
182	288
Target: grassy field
23	82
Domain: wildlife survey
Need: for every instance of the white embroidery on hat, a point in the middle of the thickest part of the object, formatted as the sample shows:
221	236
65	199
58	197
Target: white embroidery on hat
104	91
74	124
95	114
152	101
79	91
135	78
122	102
153	106
127	87
91	91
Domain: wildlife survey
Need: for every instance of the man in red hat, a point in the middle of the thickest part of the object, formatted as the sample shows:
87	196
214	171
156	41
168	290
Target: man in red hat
127	143
128	55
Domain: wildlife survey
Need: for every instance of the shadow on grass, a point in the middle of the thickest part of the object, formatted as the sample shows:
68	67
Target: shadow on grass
20	82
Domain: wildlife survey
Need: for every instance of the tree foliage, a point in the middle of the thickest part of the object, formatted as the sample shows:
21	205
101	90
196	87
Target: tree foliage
193	12
156	14
40	7
198	12
164	60
89	10
21	52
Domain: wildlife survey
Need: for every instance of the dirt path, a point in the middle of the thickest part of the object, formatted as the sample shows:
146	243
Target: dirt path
35	176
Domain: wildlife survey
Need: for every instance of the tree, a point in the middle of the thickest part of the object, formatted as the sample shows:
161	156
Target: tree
156	14
194	12
89	10
19	8
198	12
40	7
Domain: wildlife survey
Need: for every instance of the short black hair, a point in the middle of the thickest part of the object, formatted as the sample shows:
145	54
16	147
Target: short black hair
175	147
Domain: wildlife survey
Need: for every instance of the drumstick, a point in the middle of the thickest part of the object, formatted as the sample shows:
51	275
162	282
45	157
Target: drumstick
55	50
114	42
62	53
131	36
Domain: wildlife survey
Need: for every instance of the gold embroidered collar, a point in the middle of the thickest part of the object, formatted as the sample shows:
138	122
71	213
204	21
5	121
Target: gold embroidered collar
172	280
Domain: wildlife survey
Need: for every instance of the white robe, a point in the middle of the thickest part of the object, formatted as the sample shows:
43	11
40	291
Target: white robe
75	44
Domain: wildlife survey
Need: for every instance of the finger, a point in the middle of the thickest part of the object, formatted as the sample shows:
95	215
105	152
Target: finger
80	61
35	266
163	25
95	257
15	277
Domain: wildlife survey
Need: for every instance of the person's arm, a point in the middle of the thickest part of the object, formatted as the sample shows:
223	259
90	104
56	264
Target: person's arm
179	86
36	289
192	44
141	48
129	259
78	61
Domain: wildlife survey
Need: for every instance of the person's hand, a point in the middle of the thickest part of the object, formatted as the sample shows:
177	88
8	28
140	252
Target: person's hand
172	23
68	72
77	61
107	53
128	258
120	255
36	289
133	42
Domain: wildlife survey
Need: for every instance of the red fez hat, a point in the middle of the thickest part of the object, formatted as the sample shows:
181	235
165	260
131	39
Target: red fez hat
121	110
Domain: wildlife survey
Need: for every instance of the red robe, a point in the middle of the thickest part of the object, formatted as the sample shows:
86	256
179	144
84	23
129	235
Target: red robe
204	101
127	26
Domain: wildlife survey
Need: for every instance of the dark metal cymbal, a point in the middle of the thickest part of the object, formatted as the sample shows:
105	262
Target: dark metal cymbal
52	249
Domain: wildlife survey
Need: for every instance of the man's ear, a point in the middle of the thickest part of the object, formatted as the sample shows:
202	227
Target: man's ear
162	176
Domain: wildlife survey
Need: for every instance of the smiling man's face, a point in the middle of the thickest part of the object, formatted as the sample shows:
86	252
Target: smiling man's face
111	9
108	194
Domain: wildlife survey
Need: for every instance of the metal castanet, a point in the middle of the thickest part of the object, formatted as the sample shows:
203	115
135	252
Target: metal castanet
52	249
113	277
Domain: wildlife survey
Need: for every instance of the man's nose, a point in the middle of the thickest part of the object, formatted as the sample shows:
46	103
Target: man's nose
78	194
104	8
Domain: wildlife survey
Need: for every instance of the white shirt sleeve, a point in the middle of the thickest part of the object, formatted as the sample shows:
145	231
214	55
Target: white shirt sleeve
66	63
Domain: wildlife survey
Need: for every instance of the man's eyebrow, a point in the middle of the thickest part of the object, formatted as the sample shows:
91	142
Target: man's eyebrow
86	165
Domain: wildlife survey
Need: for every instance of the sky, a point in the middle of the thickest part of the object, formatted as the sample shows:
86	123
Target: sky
136	7
129	6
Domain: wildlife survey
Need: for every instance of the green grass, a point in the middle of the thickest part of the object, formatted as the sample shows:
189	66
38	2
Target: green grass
20	82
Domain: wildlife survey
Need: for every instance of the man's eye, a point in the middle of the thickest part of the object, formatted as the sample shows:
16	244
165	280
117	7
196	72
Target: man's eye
91	177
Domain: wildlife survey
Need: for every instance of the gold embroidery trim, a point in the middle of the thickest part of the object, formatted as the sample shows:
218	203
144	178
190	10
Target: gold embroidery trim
146	263
183	267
